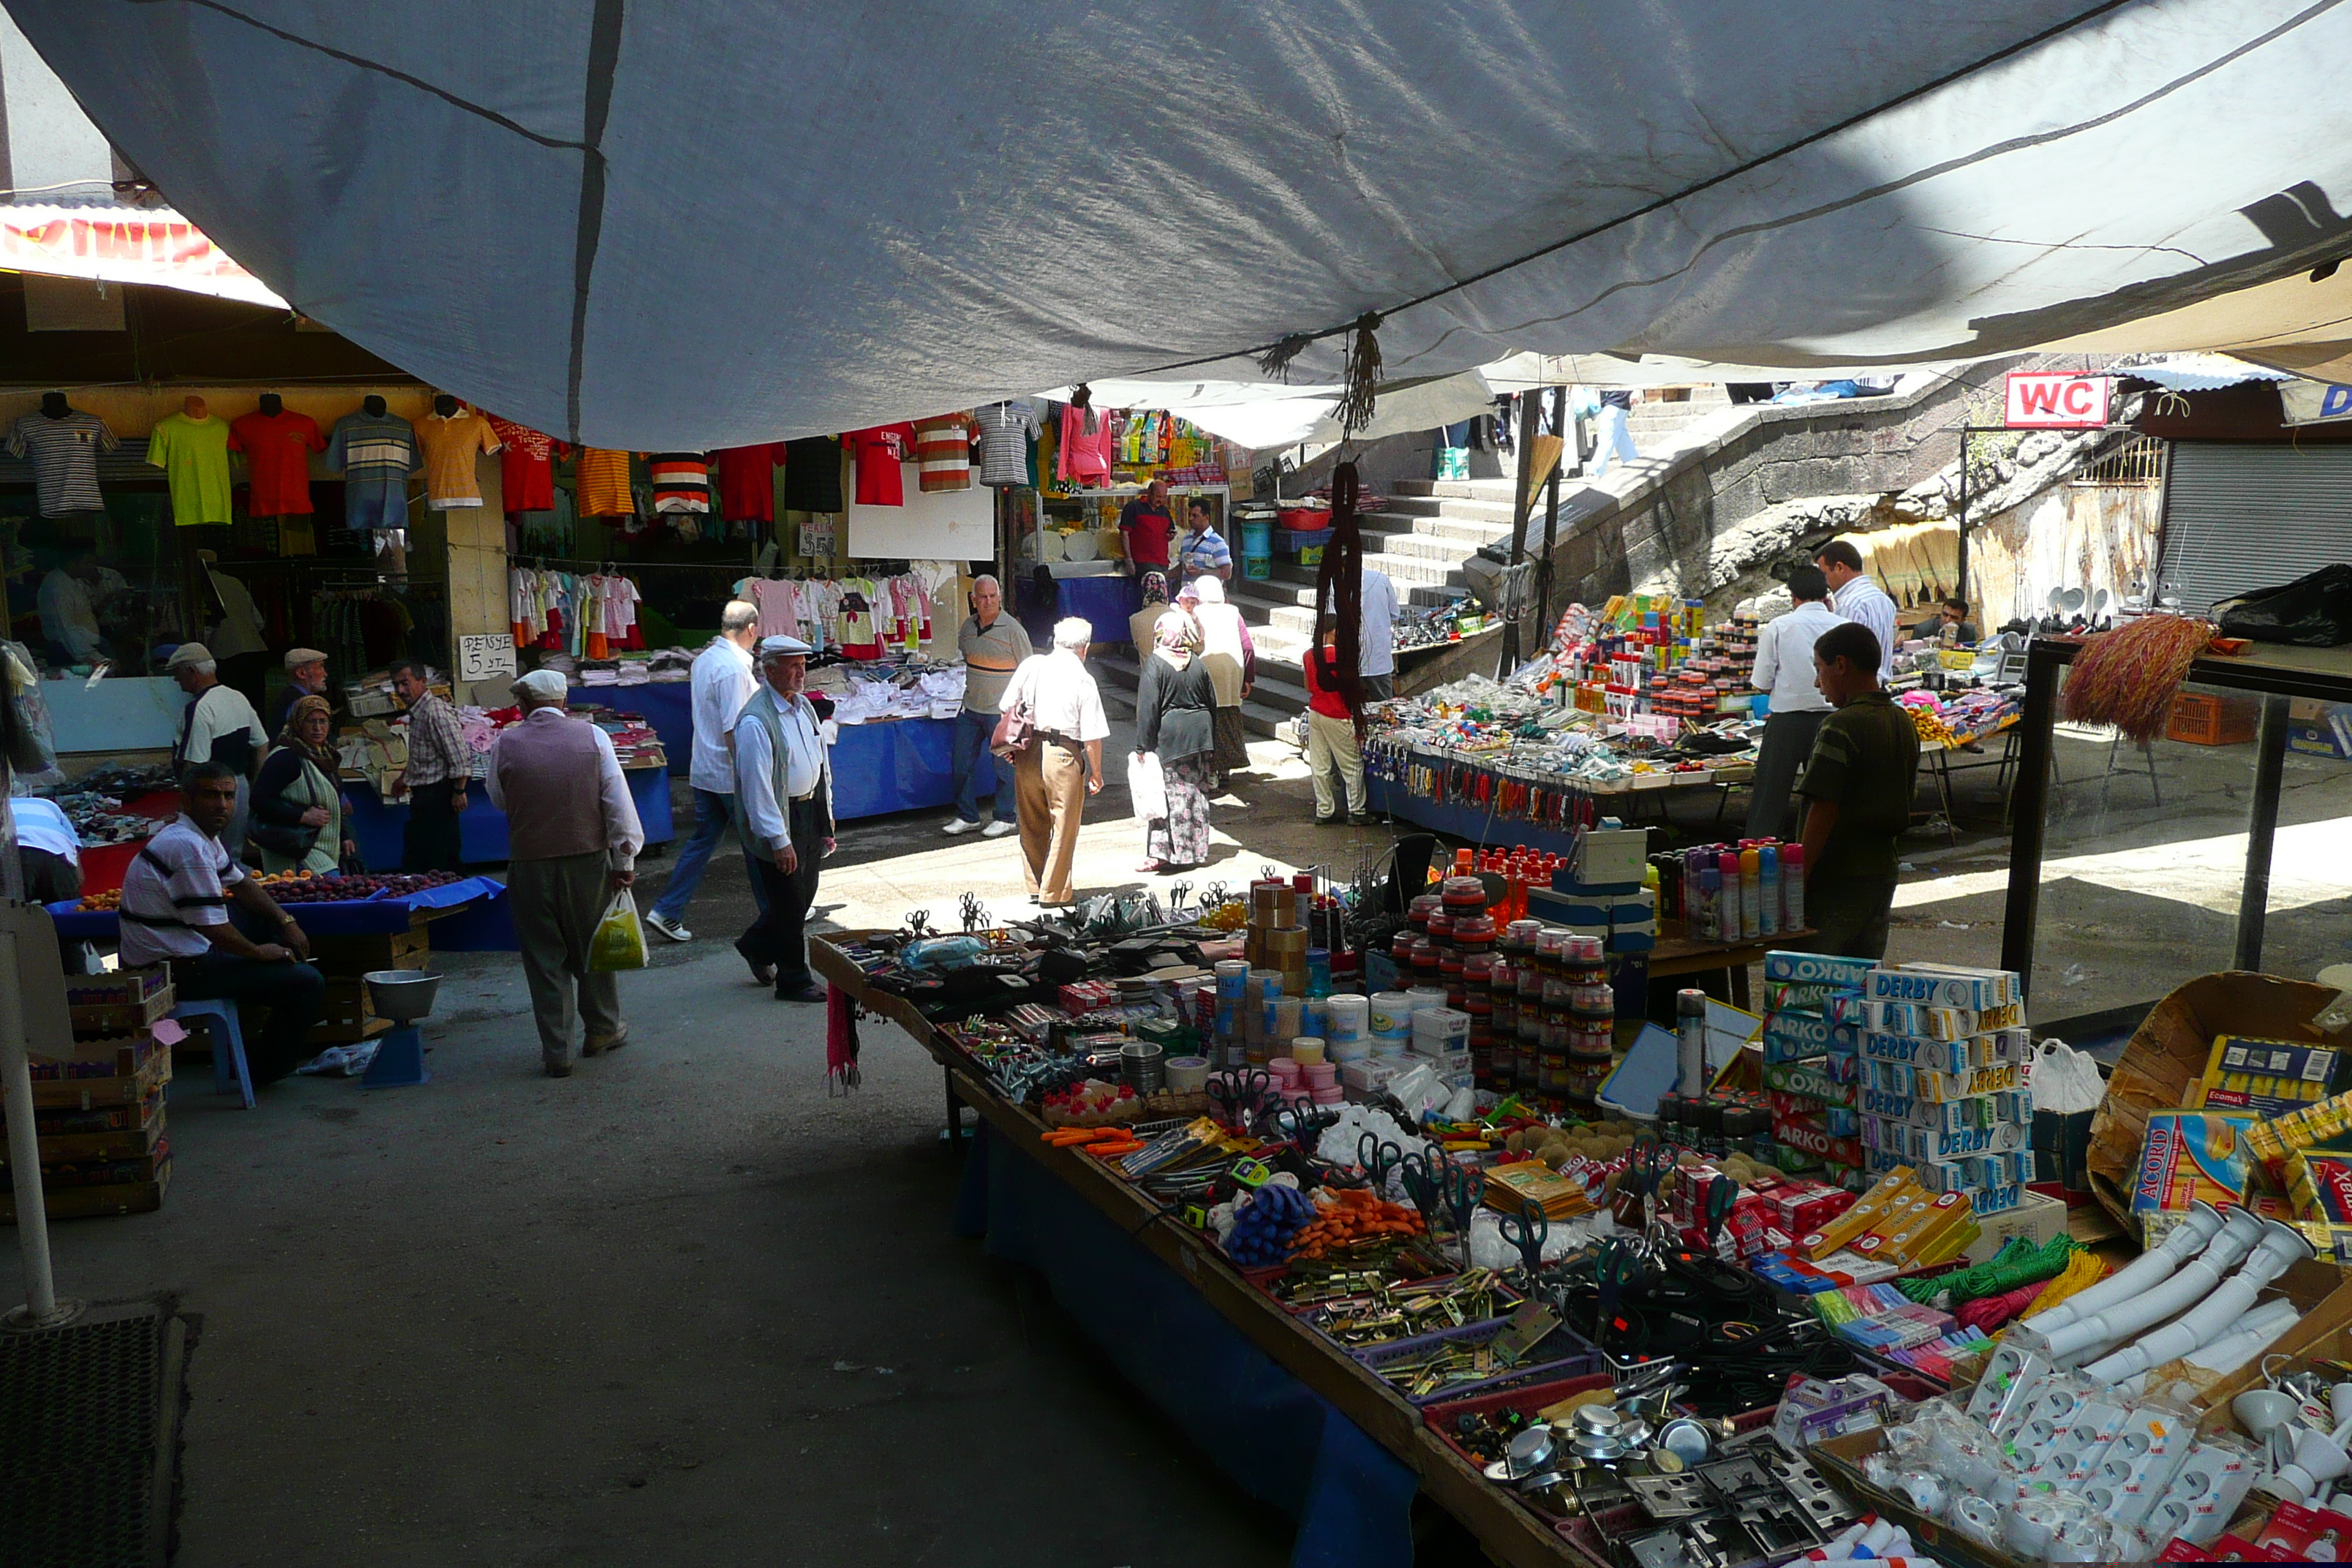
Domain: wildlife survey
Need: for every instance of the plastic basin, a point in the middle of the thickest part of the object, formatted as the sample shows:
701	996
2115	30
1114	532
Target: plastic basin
403	995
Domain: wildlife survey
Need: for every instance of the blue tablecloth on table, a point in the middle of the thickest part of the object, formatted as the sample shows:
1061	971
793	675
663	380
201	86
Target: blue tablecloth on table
376	827
900	764
667	705
1106	602
472	930
1278	1440
1473	823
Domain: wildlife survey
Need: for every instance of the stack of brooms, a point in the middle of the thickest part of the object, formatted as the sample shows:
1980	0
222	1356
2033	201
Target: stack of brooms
2128	678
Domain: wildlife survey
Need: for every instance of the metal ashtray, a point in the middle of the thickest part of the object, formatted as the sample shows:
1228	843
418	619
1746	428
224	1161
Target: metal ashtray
1600	1420
1598	1448
403	995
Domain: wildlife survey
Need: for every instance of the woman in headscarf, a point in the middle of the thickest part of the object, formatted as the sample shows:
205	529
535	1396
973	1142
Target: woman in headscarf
1142	625
1174	703
298	808
1231	658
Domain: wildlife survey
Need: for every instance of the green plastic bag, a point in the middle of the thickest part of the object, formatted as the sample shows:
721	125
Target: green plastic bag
620	939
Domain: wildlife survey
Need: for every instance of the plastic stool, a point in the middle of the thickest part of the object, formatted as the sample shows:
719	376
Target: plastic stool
229	1071
399	1060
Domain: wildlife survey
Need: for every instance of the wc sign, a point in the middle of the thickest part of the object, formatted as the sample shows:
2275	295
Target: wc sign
2056	400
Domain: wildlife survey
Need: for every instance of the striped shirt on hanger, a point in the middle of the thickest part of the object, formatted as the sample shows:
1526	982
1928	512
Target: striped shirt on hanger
681	481
65	459
943	453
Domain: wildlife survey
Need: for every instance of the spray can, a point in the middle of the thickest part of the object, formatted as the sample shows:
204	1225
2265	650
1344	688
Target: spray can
1727	922
1751	895
1708	909
1767	868
1690	1016
1793	888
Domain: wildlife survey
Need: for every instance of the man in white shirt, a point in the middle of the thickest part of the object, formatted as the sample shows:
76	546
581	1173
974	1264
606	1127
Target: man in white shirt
1857	598
1376	644
783	787
49	850
68	603
176	898
723	682
573	837
1784	666
219	726
1062	762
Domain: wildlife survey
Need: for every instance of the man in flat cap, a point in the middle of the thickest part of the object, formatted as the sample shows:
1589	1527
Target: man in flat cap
783	788
218	726
574	837
306	675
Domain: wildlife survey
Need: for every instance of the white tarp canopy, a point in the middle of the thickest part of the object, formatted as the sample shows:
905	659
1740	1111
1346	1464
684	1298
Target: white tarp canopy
699	223
1259	417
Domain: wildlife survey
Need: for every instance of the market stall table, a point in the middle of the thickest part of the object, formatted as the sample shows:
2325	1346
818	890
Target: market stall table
102	865
1484	821
667	705
1348	1477
377	825
894	764
468	915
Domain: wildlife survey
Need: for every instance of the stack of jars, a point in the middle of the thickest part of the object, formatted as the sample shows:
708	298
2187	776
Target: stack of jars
1591	1021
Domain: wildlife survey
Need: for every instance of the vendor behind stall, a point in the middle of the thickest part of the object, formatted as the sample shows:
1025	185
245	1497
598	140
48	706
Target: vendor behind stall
69	604
1144	527
1857	791
1952	616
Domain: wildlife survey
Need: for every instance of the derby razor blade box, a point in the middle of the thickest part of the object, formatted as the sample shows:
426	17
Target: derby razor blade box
1940	986
1819	968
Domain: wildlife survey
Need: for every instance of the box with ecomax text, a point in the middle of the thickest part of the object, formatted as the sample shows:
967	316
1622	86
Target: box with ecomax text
1819	968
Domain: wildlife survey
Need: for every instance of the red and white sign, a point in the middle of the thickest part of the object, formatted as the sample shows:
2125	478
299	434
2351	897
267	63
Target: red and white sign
124	247
2057	400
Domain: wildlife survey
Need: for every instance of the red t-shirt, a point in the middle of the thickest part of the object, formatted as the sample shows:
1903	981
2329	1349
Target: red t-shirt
879	451
1321	698
278	455
747	482
526	465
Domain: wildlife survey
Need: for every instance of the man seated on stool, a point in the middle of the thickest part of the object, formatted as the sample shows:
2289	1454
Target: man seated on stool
175	899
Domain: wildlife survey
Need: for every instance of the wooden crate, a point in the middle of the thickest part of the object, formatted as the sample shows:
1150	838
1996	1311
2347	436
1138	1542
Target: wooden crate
87	1203
352	956
88	1093
129	1143
92	1019
346	1015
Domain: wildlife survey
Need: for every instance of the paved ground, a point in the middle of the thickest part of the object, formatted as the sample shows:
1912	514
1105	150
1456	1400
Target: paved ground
683	1307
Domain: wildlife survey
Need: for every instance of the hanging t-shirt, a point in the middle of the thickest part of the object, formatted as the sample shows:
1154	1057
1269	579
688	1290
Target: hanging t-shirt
450	443
747	482
943	453
1005	429
376	454
878	451
65	459
193	456
681	481
812	474
1085	450
604	483
277	448
526	467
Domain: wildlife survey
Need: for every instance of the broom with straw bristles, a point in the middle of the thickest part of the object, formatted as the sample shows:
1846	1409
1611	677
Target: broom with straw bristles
2128	676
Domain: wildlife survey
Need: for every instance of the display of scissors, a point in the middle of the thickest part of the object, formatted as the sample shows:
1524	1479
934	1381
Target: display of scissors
1527	1230
1237	1094
1721	1193
1378	1157
1420	1176
1646	1166
1617	1265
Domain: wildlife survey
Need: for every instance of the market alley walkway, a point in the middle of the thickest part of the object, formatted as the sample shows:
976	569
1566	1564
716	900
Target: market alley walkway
680	1306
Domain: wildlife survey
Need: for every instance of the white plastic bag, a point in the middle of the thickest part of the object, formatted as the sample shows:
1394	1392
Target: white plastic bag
2065	1080
1147	789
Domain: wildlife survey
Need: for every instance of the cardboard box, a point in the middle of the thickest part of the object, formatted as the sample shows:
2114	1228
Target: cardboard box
2038	1219
2167	1055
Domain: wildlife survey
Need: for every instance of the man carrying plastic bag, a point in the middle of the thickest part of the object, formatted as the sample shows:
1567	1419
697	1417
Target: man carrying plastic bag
574	837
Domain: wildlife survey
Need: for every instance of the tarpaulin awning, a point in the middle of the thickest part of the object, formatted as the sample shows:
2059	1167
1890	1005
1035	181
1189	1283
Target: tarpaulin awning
694	224
1257	415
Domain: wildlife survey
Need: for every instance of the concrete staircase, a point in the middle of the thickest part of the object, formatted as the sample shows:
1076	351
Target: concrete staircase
1425	532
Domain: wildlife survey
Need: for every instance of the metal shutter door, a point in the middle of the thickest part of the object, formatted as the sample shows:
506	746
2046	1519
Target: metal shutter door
2251	515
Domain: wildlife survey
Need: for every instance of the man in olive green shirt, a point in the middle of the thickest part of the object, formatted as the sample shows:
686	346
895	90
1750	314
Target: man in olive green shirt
1857	791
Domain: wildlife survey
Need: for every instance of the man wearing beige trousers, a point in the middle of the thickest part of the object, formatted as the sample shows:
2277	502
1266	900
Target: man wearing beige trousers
573	835
1063	765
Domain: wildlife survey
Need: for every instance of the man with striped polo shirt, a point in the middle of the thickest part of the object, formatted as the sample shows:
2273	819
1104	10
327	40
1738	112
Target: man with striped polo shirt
572	842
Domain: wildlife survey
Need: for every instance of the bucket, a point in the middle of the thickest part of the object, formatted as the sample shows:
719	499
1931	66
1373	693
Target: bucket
1258	568
1257	538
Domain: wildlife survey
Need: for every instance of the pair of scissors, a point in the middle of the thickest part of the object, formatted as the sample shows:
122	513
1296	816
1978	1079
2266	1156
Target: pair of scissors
1617	1265
1721	1193
1646	1166
1527	1230
1461	1192
1420	1177
1378	1157
1238	1093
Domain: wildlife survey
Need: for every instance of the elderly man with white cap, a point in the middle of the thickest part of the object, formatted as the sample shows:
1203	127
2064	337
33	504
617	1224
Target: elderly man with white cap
306	675
783	787
573	835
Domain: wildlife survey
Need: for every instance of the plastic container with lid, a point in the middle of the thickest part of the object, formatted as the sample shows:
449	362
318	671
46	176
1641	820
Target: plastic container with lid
1474	933
1389	1013
1417	913
1464	895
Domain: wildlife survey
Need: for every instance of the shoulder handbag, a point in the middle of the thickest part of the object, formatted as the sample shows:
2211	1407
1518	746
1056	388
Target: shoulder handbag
1016	722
